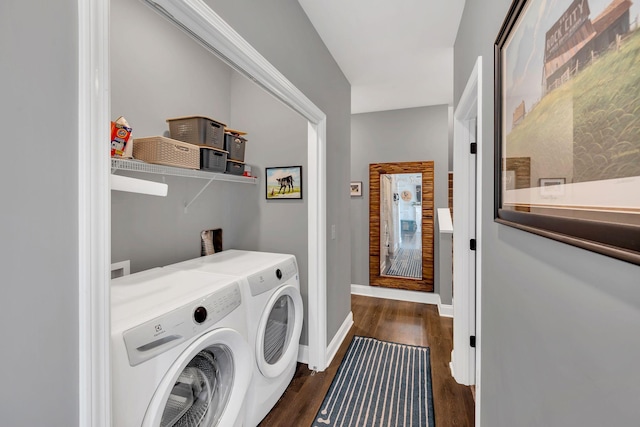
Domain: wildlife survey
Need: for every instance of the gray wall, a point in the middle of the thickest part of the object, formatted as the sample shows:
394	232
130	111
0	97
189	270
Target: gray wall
39	216
159	72
39	292
197	83
393	136
143	225
154	231
281	32
559	324
276	138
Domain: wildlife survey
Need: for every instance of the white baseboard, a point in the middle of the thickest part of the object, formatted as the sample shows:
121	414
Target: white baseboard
303	354
397	294
451	368
445	310
334	345
339	337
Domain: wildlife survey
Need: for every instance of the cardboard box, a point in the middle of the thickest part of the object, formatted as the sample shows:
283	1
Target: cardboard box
121	141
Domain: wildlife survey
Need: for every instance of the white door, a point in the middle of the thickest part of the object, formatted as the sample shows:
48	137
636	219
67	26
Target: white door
467	242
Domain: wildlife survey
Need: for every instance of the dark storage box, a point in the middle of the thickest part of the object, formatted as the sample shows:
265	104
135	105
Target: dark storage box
234	144
197	130
235	168
213	160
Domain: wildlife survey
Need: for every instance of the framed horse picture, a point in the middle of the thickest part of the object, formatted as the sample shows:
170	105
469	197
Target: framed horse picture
284	182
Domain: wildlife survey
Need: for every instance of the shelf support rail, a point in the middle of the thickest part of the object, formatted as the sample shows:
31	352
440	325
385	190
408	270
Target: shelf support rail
186	206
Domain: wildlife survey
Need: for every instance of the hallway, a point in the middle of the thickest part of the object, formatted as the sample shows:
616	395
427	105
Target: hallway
390	320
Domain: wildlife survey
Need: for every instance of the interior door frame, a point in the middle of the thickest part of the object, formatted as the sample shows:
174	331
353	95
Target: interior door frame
426	168
467	264
94	216
94	229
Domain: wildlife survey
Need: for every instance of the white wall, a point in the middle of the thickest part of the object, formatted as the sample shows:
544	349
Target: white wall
559	323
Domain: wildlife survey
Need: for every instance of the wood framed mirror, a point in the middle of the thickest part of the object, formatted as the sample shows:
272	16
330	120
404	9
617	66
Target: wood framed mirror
401	225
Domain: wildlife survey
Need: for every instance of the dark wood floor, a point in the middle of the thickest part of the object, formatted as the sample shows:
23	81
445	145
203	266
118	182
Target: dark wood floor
389	320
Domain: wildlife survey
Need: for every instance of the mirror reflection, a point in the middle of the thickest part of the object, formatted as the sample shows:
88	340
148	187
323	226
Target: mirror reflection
400	225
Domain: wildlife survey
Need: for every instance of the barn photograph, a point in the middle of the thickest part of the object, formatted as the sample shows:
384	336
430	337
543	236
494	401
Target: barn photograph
570	99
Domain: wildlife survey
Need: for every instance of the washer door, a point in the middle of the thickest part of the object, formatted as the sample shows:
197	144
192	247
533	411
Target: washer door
278	336
206	385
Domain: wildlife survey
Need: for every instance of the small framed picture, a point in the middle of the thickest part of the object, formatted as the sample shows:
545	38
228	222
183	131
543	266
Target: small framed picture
284	182
356	188
552	186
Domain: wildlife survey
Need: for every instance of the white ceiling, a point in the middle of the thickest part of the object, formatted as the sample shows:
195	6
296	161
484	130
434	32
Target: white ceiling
396	54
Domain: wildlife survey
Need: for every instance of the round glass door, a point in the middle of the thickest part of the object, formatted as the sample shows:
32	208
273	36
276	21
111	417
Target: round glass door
201	391
279	332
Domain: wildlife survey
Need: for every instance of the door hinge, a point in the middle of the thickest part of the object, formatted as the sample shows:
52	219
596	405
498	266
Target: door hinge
472	341
474	147
472	244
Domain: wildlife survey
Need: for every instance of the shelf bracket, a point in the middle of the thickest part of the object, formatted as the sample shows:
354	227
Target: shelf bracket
186	206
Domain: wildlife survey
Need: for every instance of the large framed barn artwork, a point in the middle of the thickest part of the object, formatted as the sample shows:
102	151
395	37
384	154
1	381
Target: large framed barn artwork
567	123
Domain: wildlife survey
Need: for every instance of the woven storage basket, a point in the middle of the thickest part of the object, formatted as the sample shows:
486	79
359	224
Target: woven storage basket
166	151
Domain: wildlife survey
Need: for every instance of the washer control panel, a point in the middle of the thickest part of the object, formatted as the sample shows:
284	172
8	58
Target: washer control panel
164	332
271	277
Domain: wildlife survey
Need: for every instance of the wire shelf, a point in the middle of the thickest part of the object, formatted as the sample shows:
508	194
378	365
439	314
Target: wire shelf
139	166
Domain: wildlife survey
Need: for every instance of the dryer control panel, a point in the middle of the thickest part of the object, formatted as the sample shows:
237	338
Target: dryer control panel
272	277
165	332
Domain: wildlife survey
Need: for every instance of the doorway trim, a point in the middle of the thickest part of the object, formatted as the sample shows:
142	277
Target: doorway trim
465	360
94	231
94	216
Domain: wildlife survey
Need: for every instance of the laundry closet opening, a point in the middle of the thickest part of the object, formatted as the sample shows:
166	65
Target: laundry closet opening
158	71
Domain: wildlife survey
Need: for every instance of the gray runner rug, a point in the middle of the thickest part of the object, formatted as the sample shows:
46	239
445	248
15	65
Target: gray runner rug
408	263
379	383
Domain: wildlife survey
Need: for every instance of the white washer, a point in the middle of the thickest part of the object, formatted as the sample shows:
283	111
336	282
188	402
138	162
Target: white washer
275	315
179	350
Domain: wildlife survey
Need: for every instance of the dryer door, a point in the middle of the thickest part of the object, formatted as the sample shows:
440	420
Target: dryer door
206	386
279	330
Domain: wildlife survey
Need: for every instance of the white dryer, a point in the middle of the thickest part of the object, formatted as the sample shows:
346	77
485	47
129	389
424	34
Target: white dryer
275	315
179	350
